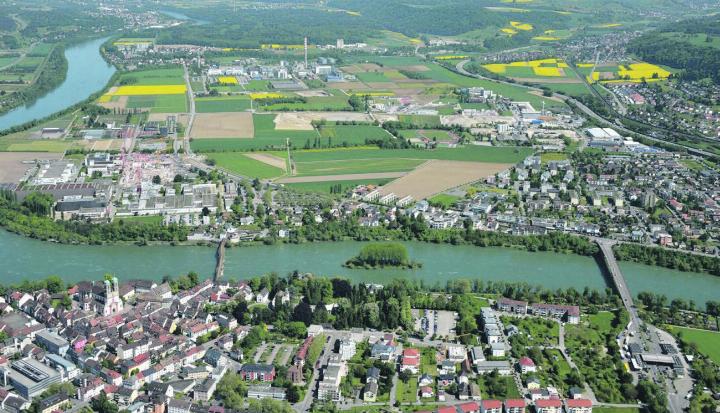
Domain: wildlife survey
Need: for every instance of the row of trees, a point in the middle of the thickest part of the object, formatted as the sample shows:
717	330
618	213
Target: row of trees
667	258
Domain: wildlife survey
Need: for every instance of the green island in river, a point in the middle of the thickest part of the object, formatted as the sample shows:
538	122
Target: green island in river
381	255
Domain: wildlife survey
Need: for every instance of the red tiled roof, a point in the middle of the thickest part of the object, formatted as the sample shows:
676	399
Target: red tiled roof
469	407
548	403
514	403
410	361
491	404
526	361
411	352
446	409
578	403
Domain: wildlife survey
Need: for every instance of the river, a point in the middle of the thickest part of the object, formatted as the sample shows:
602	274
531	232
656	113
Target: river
27	258
87	73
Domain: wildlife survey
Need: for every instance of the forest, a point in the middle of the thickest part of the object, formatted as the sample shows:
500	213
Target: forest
697	62
663	257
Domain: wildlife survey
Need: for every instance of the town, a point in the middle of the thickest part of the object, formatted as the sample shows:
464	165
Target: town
187	345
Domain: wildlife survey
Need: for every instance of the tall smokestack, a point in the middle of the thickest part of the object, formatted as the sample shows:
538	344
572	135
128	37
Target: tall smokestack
306	64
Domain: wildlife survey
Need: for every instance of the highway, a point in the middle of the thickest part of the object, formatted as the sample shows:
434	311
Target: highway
460	68
191	111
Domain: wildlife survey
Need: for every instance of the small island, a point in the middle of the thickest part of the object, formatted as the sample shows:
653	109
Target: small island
381	255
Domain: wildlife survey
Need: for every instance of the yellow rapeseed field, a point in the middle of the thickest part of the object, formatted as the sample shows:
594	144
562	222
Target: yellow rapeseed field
547	71
541	67
266	95
227	80
508	30
639	71
451	57
585	65
522	26
139	90
546	38
378	94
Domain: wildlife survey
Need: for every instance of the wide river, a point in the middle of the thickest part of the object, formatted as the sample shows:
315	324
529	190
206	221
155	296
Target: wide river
23	258
87	73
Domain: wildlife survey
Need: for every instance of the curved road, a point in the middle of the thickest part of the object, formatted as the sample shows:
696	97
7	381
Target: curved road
460	68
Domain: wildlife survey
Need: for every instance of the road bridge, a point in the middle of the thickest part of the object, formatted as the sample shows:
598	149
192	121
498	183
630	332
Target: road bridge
220	265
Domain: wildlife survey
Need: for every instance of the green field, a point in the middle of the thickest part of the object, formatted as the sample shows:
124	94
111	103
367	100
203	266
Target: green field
431	134
320	103
170	76
243	165
355	166
222	104
708	342
148	219
257	85
372	77
325	187
553	156
470	154
421	120
443	200
616	409
352	134
159	103
266	137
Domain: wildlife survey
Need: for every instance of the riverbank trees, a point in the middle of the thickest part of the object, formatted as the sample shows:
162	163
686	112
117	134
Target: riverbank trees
667	258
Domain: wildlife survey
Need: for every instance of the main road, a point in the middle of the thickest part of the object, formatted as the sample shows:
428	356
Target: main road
678	388
191	111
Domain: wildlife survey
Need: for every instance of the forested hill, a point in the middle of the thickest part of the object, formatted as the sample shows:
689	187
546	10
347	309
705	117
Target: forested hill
691	45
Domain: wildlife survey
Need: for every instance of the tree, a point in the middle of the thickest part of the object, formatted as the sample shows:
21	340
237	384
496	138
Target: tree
156	180
38	203
101	404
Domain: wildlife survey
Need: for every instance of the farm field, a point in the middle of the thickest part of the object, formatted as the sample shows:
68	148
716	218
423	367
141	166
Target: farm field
499	154
158	103
222	104
355	166
223	125
245	165
708	342
264	136
303	120
170	76
314	103
352	134
437	176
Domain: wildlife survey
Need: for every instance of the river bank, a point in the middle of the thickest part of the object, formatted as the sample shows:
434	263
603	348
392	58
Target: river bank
27	258
88	74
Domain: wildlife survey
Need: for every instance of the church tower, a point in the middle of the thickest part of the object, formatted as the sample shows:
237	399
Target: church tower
113	302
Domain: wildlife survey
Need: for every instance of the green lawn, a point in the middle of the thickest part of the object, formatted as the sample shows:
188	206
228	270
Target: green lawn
616	409
222	104
243	165
553	156
407	392
708	342
506	389
146	219
428	362
443	200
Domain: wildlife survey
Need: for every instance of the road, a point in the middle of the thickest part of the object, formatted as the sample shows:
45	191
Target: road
460	68
305	404
678	388
191	112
